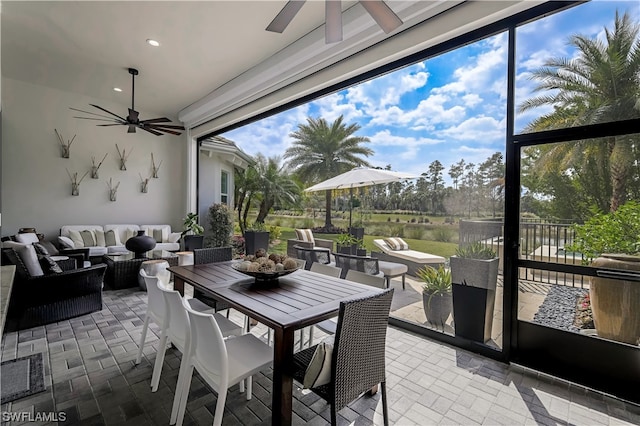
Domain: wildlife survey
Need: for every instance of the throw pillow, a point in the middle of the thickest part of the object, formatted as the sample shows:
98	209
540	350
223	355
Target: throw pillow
49	265
48	245
157	235
75	236
111	238
99	236
305	235
319	369
40	249
396	244
66	243
29	257
88	238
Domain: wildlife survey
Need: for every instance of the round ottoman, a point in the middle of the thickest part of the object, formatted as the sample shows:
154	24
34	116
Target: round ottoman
185	258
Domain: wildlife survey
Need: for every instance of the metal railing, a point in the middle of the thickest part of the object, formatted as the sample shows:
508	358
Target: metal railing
539	241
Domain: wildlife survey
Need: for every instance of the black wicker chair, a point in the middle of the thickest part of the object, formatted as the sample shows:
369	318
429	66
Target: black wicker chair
312	254
212	255
366	264
358	360
39	300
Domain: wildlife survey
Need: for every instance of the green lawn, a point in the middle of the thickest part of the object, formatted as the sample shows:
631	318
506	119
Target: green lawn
432	247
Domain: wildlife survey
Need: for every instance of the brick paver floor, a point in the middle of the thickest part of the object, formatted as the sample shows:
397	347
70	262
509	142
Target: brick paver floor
90	375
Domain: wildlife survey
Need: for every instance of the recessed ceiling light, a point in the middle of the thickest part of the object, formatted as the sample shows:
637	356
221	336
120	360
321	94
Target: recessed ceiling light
153	42
117	89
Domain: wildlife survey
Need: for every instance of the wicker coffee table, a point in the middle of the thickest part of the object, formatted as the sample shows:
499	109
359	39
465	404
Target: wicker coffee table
122	270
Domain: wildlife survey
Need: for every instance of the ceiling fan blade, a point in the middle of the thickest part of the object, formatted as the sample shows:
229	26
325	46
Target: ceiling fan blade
284	17
173	132
382	14
89	112
113	120
151	131
108	112
165	126
333	21
156	120
107	125
133	116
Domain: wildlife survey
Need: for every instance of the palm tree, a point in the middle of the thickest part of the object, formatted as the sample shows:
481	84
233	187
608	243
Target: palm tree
601	84
275	185
265	184
321	151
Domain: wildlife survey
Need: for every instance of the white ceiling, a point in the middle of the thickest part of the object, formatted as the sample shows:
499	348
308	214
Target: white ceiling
86	47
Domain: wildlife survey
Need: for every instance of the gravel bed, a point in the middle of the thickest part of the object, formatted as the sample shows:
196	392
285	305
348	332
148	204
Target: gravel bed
559	308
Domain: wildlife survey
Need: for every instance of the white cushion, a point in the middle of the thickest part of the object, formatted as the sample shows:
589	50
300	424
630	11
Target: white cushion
99	237
30	259
112	238
174	237
97	251
64	230
117	250
27	238
75	236
167	246
66	242
12	244
305	235
319	369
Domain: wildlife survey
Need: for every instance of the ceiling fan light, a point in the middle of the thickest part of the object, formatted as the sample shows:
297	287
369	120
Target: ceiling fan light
152	42
382	14
117	89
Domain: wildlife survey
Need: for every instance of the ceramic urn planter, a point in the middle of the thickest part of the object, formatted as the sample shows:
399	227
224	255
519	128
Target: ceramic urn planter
615	302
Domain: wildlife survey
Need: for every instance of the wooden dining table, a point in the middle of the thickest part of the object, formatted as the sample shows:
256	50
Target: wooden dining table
295	301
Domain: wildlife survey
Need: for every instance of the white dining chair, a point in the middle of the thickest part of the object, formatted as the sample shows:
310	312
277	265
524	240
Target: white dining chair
329	326
173	322
221	362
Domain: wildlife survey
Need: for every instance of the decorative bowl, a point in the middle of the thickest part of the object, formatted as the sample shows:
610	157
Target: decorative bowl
264	276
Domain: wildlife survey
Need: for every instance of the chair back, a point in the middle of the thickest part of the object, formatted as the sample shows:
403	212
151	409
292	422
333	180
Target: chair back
359	347
362	278
155	300
313	254
207	347
178	327
329	270
366	264
212	255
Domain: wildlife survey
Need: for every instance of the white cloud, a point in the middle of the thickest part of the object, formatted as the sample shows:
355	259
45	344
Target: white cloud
385	138
471	100
429	112
333	106
480	129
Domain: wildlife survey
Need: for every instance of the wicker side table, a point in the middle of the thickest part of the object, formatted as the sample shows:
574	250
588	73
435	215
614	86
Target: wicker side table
122	270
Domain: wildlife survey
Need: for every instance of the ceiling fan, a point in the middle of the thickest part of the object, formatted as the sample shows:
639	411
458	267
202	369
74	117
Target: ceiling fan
153	125
378	9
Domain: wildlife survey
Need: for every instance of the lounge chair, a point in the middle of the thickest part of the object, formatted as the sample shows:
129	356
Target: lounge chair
412	258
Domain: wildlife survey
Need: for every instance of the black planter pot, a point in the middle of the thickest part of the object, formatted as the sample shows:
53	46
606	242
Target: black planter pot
473	312
437	308
140	244
255	240
357	232
193	242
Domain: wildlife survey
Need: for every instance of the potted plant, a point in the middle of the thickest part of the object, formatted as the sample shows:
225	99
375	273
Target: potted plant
360	248
346	244
192	234
436	294
255	238
610	241
474	275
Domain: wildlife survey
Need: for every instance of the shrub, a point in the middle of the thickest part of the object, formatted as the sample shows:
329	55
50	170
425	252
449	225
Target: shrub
274	233
415	233
476	250
615	232
397	231
442	234
220	225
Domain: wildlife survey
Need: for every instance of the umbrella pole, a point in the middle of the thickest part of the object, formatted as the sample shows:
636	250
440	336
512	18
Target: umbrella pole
350	206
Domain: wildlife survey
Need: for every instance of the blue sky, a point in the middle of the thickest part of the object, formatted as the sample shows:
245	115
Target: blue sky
447	108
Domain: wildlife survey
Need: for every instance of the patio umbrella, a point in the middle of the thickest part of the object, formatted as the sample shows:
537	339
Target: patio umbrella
358	177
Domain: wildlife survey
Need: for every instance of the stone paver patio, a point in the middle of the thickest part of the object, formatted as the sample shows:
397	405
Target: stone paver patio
91	376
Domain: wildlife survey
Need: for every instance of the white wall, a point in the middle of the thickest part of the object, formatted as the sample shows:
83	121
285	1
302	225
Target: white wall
36	191
209	176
